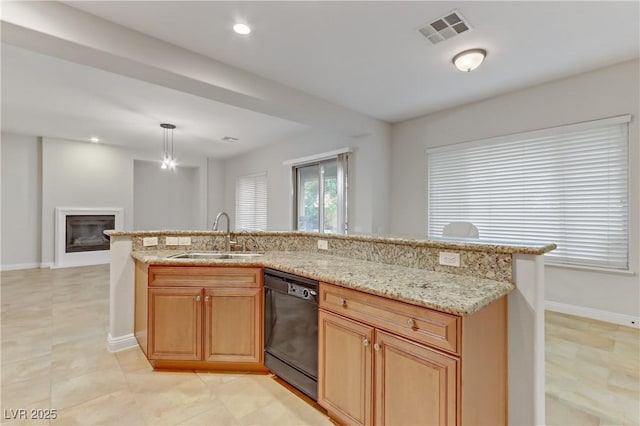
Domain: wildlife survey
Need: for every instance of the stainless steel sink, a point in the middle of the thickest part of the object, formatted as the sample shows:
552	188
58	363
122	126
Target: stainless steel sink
212	255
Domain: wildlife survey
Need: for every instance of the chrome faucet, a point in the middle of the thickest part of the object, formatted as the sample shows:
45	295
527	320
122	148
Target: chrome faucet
228	242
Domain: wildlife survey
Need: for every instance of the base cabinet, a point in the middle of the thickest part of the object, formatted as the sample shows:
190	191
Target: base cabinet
345	369
175	324
414	385
200	317
233	325
384	362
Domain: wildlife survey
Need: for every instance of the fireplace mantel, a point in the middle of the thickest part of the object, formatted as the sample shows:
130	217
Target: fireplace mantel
64	259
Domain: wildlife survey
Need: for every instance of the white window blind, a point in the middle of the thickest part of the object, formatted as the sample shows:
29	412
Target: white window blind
567	185
251	202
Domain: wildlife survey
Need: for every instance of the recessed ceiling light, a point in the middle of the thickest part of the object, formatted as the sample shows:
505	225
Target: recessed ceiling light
94	139
242	29
469	60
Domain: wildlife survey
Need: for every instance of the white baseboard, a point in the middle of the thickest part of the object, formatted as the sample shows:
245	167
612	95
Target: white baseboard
17	266
596	314
46	265
120	343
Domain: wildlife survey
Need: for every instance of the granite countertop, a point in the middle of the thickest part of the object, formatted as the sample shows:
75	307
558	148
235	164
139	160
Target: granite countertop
456	294
495	246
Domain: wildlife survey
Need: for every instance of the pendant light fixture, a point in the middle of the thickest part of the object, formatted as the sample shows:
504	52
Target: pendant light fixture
168	160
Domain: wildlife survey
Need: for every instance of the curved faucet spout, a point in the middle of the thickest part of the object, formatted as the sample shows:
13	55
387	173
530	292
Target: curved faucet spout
215	222
228	241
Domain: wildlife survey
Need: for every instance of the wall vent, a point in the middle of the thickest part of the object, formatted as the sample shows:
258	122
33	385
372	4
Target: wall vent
445	27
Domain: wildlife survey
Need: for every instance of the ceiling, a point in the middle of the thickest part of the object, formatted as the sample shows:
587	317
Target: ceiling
365	56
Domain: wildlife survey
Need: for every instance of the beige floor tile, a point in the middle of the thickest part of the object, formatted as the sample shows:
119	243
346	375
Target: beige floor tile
175	404
132	360
37	414
217	415
27	369
73	391
26	393
561	414
79	357
307	414
116	408
245	395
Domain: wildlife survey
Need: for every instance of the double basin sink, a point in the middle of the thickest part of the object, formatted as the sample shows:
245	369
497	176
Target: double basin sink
214	255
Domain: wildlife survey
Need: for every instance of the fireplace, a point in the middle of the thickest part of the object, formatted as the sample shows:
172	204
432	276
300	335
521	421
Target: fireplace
79	235
86	232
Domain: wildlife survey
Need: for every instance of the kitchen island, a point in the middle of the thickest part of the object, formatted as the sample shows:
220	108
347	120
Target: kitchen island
487	272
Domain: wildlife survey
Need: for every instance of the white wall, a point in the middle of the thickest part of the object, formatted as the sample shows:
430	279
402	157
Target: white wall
39	176
368	177
21	196
216	189
598	94
165	199
76	174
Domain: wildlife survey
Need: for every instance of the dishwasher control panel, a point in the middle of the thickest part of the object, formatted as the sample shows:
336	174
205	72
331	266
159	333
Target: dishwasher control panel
301	291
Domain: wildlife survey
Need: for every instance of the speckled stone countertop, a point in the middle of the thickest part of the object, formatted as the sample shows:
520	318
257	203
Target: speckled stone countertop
456	294
494	246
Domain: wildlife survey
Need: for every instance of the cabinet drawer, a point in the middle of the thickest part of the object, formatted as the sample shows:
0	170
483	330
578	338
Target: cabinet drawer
424	325
204	276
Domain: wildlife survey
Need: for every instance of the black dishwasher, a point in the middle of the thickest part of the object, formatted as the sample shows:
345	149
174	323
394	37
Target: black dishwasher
291	329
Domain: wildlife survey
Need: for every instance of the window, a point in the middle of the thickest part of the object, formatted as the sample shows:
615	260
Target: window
567	185
320	195
251	202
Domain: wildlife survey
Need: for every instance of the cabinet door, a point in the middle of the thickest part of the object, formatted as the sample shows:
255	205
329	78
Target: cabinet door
414	385
175	324
345	369
233	325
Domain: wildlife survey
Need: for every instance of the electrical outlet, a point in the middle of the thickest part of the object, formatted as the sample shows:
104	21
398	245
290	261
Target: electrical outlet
171	241
323	245
184	241
150	241
449	259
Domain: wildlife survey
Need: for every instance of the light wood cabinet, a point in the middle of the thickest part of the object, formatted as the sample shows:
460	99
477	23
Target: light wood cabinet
175	324
414	384
233	325
385	362
345	369
200	317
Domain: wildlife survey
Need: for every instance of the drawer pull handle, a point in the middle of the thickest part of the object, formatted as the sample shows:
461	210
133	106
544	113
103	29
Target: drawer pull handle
411	322
365	342
206	298
376	346
197	298
343	303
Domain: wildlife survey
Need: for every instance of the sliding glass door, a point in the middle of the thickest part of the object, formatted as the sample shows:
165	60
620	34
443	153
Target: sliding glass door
320	196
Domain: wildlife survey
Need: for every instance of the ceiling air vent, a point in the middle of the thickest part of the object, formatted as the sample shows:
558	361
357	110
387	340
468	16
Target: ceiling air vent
229	139
445	27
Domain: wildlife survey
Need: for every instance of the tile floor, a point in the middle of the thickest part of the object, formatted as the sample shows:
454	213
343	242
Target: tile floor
54	325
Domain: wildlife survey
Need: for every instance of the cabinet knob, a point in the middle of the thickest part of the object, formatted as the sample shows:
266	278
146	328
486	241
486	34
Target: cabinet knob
365	342
206	298
343	303
411	322
376	346
197	298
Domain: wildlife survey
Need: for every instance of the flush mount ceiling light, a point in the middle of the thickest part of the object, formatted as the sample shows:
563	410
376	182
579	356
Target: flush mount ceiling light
168	160
243	29
94	139
469	60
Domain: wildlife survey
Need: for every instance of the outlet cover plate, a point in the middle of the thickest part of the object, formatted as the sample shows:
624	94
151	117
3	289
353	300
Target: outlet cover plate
323	245
150	241
449	259
172	241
